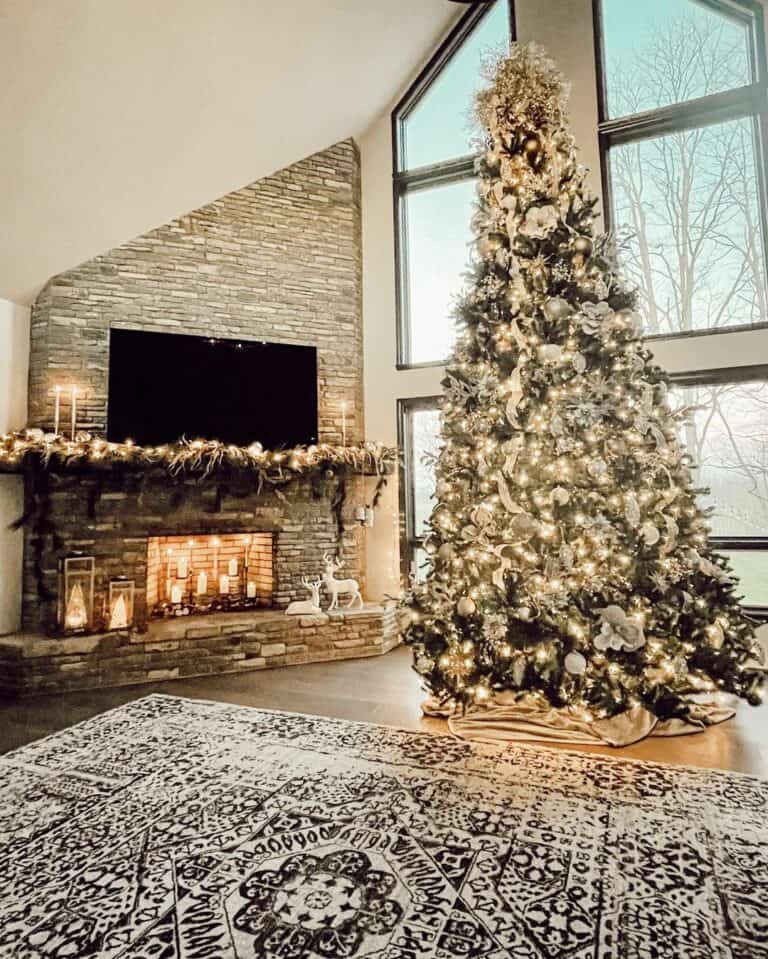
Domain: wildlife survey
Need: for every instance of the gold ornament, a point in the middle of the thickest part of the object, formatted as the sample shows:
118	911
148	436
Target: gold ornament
466	606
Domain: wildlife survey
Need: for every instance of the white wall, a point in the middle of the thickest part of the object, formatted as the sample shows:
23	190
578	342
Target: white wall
14	359
565	29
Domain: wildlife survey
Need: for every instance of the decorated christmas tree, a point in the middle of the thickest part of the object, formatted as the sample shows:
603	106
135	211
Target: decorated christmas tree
570	563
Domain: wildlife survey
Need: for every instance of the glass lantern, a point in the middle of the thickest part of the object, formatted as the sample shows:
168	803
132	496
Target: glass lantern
76	594
120	609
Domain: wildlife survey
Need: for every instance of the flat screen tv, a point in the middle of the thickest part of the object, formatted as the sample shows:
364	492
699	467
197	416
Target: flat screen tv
164	386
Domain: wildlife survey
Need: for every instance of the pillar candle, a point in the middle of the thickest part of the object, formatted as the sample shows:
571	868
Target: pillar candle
182	567
177	593
224	584
202	584
251	590
232	568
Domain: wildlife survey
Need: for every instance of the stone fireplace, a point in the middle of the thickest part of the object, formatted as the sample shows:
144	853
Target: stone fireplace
278	260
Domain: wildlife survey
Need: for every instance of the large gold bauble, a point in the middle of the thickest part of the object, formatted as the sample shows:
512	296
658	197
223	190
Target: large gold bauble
583	245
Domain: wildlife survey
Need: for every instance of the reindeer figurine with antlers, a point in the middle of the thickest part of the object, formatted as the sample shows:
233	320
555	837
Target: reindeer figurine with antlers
307	607
337	586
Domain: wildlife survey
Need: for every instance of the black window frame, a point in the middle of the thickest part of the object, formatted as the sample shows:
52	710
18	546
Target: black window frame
438	174
724	376
409	541
738	103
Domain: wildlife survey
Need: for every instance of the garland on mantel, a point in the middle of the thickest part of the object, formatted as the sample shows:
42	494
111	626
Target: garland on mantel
192	457
236	470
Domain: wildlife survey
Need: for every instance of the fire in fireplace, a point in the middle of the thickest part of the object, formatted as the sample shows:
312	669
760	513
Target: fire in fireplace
209	573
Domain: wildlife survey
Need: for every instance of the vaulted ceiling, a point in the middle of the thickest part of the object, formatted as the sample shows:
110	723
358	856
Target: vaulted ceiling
118	116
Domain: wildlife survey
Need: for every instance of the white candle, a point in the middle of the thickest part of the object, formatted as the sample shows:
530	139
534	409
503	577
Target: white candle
56	409
250	590
232	568
224	584
344	423
74	411
177	594
202	584
182	567
169	554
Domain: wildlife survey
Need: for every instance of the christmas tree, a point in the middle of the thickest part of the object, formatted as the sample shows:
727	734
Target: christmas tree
569	558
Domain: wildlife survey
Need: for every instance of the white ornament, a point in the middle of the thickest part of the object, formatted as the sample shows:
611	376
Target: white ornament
338	586
550	353
539	221
619	631
579	362
557	309
307	607
560	496
575	663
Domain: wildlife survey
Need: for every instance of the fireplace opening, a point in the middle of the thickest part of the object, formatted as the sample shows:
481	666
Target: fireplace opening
208	573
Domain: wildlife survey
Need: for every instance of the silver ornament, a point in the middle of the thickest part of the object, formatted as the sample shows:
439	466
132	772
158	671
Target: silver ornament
557	309
575	663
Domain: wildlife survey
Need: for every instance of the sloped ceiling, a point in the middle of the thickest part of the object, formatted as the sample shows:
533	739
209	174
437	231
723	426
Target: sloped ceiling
118	115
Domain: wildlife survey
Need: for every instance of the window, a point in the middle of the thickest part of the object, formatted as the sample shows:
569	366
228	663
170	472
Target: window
434	183
683	109
419	439
726	433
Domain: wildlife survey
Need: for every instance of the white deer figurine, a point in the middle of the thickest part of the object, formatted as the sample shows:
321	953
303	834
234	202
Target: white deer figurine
307	607
336	586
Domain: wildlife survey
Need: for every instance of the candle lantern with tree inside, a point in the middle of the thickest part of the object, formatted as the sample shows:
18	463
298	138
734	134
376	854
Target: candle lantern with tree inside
76	585
121	592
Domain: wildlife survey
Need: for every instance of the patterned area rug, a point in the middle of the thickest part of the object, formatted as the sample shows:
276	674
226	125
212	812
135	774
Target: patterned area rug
175	829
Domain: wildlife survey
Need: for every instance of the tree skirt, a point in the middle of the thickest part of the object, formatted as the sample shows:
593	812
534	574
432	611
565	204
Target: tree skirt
508	719
177	829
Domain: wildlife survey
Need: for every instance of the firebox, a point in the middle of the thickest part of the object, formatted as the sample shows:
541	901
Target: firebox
209	573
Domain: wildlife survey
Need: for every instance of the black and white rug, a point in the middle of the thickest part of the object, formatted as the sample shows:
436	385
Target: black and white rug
174	829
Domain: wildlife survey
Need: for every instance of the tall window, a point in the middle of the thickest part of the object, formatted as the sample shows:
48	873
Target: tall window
434	183
419	429
683	117
726	433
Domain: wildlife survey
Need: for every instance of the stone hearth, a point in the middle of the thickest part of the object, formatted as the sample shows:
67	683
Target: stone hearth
193	646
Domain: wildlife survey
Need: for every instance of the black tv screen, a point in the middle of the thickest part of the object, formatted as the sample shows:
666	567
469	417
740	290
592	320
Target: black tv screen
164	386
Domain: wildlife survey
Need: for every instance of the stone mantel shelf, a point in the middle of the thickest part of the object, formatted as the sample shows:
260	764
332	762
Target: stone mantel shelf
193	646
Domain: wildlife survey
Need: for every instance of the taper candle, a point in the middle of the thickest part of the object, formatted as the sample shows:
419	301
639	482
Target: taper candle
56	409
344	423
74	411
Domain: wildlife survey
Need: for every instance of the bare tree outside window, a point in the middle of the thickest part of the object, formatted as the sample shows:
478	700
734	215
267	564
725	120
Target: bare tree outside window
686	205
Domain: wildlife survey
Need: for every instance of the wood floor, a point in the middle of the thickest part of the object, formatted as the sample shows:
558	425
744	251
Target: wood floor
382	690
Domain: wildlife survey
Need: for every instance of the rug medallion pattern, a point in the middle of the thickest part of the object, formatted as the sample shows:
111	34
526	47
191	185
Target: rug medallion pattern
175	829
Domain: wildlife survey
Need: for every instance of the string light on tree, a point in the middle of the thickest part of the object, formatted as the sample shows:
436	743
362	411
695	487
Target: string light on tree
570	562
